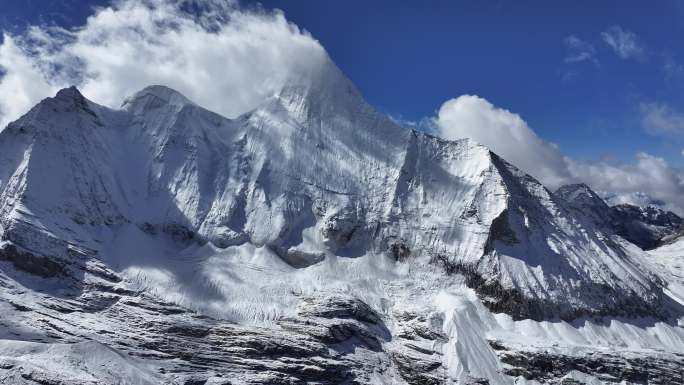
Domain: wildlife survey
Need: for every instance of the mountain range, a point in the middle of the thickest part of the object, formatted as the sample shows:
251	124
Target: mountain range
313	240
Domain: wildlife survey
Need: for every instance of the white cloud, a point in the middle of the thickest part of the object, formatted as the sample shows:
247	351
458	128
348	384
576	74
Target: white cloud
578	50
23	82
222	57
625	43
660	118
505	133
508	135
649	176
637	198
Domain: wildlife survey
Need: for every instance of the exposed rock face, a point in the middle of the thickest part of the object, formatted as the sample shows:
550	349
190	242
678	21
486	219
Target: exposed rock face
338	306
188	348
646	227
35	264
608	367
418	352
311	240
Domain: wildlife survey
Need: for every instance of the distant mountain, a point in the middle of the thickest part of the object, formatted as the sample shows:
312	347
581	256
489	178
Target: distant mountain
646	227
581	197
637	198
311	240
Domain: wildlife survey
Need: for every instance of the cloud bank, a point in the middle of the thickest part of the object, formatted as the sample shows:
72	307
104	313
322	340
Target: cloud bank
223	57
507	134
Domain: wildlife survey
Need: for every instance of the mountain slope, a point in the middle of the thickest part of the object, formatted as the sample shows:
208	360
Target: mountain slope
668	260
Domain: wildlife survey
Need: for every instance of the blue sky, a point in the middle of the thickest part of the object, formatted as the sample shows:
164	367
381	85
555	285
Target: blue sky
409	57
601	80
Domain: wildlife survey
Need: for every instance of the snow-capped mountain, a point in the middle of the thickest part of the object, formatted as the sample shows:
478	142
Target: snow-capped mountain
309	240
646	227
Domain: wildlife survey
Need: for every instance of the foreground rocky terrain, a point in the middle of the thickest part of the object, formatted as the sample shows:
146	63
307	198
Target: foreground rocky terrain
311	240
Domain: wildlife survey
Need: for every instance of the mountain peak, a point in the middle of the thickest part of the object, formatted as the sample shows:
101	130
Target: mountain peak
69	93
69	99
571	192
582	198
322	92
155	96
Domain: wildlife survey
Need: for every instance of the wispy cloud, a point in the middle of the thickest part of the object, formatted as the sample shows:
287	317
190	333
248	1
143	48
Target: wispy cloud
578	50
423	124
625	43
661	118
672	69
